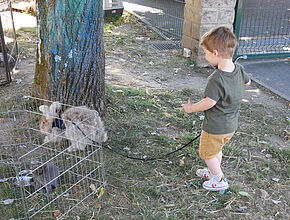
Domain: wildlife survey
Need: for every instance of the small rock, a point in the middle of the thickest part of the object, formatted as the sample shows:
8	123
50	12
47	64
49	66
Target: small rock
276	201
126	149
264	194
162	200
176	70
243	208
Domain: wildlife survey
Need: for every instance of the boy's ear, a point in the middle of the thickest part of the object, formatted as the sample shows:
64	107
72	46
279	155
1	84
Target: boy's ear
215	52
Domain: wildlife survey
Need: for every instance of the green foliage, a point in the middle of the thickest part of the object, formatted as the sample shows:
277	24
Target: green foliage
111	22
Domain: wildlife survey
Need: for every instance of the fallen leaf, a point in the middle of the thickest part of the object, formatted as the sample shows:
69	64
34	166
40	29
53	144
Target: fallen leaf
245	194
93	188
56	213
98	206
101	192
182	161
167	115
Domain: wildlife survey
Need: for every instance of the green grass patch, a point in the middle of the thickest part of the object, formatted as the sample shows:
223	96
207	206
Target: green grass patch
27	41
150	122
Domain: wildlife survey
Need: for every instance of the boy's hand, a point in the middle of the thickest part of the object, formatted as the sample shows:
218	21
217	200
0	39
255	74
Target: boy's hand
187	107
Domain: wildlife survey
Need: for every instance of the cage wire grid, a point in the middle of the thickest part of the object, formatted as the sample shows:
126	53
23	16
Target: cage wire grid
9	47
40	178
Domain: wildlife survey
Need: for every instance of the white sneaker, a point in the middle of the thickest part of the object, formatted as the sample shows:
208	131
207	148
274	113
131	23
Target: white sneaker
203	173
213	185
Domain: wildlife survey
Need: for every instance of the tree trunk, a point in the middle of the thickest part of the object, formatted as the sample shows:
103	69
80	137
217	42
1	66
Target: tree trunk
70	64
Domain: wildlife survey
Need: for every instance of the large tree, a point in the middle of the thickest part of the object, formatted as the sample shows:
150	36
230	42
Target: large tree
70	57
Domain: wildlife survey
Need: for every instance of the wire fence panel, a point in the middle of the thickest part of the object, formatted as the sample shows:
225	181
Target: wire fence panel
263	28
8	43
164	15
51	160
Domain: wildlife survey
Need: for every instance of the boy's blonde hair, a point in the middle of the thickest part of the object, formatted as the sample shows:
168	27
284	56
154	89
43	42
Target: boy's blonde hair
221	39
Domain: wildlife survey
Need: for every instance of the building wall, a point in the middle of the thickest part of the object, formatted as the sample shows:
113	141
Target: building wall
200	16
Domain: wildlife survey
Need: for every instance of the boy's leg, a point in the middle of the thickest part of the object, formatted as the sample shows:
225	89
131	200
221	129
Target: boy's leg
211	145
211	152
218	181
213	165
219	157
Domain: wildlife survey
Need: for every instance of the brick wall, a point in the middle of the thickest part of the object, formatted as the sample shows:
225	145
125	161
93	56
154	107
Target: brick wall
200	16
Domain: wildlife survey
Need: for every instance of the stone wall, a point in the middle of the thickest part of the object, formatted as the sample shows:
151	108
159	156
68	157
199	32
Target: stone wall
200	16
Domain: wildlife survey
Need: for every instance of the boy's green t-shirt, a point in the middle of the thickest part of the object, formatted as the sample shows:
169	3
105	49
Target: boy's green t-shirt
227	89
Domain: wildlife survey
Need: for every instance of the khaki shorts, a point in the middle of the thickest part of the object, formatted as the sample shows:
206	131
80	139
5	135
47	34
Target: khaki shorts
211	144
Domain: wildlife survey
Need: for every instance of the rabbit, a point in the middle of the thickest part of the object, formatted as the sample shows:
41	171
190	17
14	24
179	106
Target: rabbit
80	125
50	114
83	127
45	178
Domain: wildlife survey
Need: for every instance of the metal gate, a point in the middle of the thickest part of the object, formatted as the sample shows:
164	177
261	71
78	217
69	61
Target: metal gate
263	28
165	16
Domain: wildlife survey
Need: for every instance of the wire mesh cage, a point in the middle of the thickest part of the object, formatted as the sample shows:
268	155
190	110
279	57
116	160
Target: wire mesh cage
51	160
8	42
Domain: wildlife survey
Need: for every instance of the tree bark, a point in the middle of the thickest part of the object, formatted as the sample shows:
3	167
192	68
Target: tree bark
70	64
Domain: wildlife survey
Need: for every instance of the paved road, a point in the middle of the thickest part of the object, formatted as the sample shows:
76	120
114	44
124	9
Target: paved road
273	74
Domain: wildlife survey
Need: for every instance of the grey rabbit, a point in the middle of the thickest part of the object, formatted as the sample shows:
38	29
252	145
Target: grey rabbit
45	178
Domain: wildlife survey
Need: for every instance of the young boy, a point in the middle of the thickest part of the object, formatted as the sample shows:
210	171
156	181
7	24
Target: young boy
223	96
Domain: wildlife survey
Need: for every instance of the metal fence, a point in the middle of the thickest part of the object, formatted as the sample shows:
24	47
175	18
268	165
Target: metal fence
8	43
263	28
166	16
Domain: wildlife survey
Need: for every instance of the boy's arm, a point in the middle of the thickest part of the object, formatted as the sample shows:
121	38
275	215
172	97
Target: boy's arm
202	105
